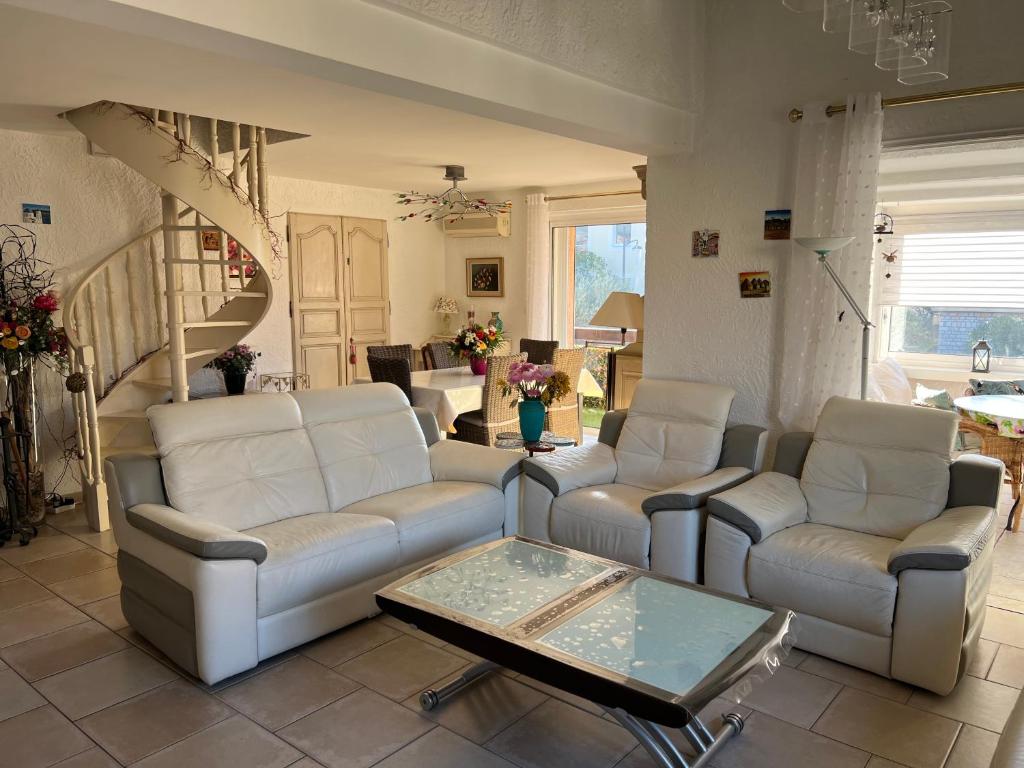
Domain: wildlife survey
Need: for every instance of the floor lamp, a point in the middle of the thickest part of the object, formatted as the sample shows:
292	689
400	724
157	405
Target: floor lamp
823	246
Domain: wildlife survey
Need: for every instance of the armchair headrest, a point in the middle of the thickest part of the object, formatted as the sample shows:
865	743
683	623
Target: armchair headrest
683	401
886	425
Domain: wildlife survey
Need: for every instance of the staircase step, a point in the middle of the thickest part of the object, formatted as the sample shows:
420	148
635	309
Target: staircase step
146	450
235	294
123	416
212	262
218	324
189	354
164	383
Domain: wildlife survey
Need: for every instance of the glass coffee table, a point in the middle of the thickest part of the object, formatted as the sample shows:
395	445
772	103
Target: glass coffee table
650	650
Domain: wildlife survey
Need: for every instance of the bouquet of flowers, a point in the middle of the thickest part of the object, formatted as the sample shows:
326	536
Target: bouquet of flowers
535	382
27	332
238	360
475	340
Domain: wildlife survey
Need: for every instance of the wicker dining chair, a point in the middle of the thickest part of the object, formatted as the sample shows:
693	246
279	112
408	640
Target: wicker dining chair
499	413
402	351
394	370
537	351
563	416
436	354
1008	450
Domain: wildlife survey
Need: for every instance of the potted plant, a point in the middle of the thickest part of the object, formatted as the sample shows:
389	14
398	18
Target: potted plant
235	365
535	387
476	343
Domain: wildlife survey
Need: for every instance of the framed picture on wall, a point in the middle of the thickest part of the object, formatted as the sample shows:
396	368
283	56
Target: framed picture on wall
485	277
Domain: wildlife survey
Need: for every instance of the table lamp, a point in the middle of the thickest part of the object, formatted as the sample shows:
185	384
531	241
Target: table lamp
447	306
623	311
823	246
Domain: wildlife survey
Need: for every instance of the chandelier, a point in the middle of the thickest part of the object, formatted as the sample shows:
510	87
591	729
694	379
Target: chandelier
910	37
450	204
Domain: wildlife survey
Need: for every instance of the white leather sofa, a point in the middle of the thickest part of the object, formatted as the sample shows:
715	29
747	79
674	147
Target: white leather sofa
270	520
878	541
638	495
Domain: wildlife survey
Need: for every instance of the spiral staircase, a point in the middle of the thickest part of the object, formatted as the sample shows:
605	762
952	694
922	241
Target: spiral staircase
161	306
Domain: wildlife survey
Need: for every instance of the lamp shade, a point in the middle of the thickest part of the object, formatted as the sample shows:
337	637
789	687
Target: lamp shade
621	310
823	245
447	305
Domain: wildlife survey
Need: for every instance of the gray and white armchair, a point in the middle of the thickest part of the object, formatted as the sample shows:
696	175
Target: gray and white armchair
638	495
867	530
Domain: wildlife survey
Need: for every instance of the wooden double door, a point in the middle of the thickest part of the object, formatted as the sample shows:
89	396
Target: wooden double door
338	269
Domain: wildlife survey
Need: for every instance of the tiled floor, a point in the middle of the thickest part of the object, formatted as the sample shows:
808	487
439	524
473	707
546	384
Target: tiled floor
79	689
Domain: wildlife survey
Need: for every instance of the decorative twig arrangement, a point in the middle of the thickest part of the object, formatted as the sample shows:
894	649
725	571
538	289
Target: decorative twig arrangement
450	204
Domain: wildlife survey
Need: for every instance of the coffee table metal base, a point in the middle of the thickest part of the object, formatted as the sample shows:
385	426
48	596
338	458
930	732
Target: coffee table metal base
651	735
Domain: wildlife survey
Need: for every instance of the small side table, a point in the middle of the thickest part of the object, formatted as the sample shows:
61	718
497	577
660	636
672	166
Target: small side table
513	441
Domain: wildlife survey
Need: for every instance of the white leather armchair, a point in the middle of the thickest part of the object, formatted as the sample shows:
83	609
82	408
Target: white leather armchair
638	495
878	541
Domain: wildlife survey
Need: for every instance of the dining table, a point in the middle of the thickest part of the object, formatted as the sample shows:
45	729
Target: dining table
999	420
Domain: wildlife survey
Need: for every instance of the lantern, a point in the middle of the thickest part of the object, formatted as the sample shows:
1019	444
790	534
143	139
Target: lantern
981	357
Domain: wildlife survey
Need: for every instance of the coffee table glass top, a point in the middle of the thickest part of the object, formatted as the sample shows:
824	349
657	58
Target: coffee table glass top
504	583
658	632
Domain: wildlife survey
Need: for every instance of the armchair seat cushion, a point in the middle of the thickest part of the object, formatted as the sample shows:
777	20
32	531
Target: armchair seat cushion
831	573
435	517
313	555
604	520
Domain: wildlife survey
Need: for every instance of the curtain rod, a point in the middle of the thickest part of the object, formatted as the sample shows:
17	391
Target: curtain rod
796	115
552	198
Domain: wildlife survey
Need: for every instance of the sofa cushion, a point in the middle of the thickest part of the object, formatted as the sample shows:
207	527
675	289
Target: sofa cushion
435	517
673	433
238	461
878	468
367	441
832	573
605	520
314	555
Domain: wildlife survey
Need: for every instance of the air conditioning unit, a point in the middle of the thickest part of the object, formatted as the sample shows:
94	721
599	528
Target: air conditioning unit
478	225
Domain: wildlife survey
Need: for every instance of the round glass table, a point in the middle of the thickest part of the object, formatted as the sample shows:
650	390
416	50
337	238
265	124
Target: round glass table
999	421
549	441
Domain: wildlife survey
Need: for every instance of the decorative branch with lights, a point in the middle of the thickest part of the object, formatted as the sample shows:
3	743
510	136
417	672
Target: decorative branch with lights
452	203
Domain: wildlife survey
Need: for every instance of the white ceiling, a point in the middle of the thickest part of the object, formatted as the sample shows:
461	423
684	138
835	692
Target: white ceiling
50	64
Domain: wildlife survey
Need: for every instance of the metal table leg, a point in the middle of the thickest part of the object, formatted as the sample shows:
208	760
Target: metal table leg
430	698
664	753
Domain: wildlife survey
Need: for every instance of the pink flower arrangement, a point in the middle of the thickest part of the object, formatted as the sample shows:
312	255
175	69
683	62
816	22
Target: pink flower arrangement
535	382
48	302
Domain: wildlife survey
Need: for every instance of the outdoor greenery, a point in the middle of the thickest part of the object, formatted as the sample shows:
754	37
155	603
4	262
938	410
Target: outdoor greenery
1005	334
920	334
594	281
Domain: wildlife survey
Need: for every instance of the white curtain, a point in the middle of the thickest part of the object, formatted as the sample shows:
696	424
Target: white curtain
836	191
538	268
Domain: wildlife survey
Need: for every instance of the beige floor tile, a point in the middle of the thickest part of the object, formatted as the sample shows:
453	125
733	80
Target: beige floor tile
482	710
18	592
146	724
790	694
39	738
409	629
73	517
306	762
857	678
569	698
40	547
973	749
62	567
104	541
557	735
345	644
770	743
93	758
102	683
1004	627
895	731
232	743
373	729
8	571
107	612
975	701
881	762
1006	603
286	692
16	696
443	749
402	667
1008	667
795	657
984	655
1003	585
67	648
90	587
30	621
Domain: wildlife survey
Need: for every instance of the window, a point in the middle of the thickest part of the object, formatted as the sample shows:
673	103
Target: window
946	290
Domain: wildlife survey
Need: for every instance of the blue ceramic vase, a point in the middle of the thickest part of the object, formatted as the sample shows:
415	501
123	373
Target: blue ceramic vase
531	420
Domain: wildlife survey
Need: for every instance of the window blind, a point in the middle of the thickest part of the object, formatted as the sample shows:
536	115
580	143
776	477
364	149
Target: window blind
969	270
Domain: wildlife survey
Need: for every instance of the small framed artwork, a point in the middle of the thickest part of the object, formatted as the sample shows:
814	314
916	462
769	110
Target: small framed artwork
35	213
211	239
485	277
705	243
778	224
755	285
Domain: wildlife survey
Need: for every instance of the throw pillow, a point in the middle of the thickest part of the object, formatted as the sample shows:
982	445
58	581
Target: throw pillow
984	387
934	398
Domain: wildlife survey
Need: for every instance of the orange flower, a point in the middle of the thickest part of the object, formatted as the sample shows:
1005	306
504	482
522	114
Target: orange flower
22	331
9	342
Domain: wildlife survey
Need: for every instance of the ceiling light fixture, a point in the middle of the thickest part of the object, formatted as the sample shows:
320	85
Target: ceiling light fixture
450	204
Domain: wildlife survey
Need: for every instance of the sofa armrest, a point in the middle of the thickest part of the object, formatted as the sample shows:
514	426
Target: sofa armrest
791	452
975	481
743	446
694	494
454	460
136	479
765	504
195	535
569	468
611	426
428	424
950	542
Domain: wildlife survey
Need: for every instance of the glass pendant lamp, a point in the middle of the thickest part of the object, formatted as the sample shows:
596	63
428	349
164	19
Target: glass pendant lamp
892	37
925	58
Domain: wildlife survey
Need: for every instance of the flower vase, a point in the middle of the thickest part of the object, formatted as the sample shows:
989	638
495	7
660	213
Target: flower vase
234	382
478	365
531	420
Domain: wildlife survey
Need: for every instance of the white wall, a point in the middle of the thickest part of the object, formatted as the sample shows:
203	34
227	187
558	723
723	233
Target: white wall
742	164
